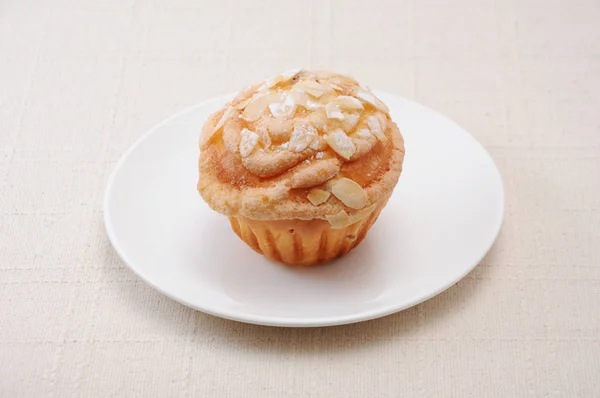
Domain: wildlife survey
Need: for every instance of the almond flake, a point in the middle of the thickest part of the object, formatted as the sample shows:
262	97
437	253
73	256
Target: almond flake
290	74
279	129
333	111
364	133
283	147
302	136
362	214
257	105
321	74
350	193
347	102
265	138
273	81
350	121
370	98
340	82
223	119
329	184
341	144
346	77
382	121
311	87
248	142
242	104
315	144
335	86
318	119
300	97
287	108
317	196
339	220
311	105
376	128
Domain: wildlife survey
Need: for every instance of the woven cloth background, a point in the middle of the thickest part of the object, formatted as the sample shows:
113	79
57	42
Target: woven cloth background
80	81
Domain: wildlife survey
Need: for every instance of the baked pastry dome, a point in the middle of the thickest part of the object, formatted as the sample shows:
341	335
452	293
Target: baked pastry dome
302	164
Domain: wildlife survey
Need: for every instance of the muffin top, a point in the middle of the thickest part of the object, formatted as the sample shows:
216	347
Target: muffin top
301	145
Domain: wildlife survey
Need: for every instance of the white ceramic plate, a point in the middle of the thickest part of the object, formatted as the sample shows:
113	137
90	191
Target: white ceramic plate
443	217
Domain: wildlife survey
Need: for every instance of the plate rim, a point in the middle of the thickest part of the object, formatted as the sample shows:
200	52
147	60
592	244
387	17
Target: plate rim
295	321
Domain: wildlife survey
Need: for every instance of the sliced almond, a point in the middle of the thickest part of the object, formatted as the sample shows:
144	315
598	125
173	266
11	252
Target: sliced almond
376	128
279	129
311	87
300	97
315	143
348	78
290	74
273	81
362	214
285	109
248	142
341	144
339	220
335	87
350	193
302	136
329	184
321	74
311	105
383	121
363	145
228	112
257	105
319	119
265	138
370	98
317	196
343	83
350	121
364	133
333	111
283	147
347	102
242	104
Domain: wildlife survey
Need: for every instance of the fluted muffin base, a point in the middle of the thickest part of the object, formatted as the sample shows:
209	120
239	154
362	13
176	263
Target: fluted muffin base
300	242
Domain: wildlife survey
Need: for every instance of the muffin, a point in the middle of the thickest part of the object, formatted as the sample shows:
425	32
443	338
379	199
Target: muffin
302	164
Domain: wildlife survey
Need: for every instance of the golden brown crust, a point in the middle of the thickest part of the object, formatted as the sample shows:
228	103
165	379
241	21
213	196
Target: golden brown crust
249	172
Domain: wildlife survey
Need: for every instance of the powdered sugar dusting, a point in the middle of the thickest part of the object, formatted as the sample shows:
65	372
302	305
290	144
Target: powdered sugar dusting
341	144
284	147
333	111
248	142
302	136
376	129
364	133
311	105
287	108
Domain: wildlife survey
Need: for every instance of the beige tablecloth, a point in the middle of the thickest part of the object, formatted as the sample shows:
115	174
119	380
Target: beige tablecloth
80	81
